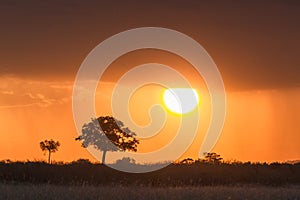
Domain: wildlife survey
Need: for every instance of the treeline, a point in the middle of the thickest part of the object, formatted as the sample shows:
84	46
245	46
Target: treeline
83	172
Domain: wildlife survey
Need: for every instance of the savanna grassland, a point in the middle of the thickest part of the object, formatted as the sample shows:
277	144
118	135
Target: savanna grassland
49	191
84	180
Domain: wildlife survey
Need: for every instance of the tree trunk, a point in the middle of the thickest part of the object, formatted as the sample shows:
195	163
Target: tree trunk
103	157
49	155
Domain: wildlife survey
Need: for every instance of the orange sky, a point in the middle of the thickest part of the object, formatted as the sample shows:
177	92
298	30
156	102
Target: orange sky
255	45
261	125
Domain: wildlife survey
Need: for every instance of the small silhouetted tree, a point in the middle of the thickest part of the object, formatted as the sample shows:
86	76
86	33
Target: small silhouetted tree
108	134
212	158
125	161
187	161
50	146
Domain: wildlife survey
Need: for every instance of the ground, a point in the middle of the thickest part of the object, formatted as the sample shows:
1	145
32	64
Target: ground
48	191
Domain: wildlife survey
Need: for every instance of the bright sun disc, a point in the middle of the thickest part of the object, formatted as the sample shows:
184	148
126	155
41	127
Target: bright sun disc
181	100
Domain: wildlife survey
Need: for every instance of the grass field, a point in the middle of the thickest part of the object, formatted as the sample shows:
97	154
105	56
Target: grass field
174	175
38	180
48	191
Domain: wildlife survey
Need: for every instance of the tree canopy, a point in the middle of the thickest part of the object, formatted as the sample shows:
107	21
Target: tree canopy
212	157
49	145
108	134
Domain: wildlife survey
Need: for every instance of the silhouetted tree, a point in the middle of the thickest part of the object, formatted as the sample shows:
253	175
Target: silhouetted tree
108	134
125	161
212	158
49	145
187	161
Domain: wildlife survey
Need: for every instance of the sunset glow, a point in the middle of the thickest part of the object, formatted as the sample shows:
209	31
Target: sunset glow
43	46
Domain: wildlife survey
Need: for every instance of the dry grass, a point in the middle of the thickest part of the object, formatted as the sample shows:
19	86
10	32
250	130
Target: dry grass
47	191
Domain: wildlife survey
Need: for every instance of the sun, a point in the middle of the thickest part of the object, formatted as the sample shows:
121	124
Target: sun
181	100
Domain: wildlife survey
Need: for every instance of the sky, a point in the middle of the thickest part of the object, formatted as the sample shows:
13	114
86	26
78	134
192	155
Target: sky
255	45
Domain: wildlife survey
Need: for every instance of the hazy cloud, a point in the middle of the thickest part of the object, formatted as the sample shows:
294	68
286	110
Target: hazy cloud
8	92
24	92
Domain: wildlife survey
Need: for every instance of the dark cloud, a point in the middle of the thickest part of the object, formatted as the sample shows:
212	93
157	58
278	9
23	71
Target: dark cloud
254	43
